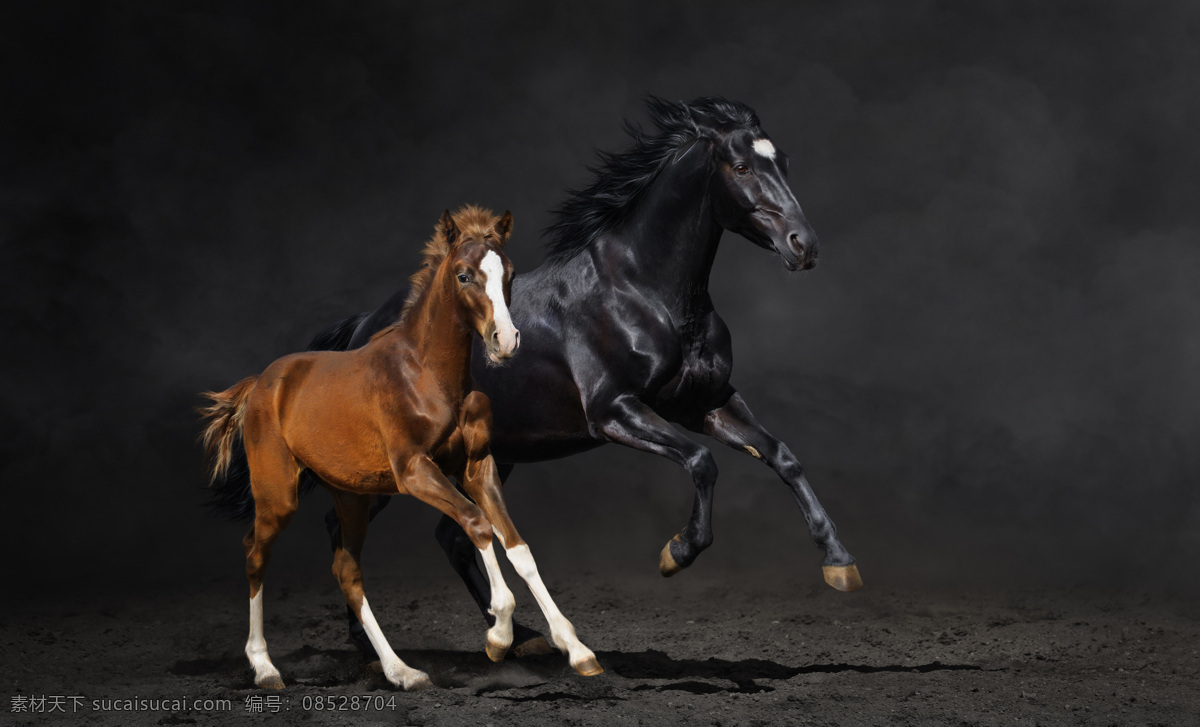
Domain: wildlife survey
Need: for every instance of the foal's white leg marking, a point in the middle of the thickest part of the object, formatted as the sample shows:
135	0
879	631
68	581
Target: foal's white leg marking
494	270
764	147
562	633
265	673
396	671
500	635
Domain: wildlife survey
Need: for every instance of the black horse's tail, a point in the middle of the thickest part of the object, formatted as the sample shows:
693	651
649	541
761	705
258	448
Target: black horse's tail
231	495
337	337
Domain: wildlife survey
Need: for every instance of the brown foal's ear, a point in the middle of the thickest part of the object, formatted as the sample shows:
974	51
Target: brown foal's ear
503	228
447	227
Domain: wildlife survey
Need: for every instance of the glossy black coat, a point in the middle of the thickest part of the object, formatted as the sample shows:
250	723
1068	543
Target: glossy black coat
620	337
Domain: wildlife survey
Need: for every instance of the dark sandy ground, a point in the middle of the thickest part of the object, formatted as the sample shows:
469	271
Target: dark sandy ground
705	648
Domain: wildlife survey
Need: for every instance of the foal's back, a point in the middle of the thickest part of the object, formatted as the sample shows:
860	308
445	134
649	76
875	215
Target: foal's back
339	414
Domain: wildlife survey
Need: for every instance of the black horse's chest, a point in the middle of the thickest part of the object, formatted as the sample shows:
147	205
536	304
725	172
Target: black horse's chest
701	377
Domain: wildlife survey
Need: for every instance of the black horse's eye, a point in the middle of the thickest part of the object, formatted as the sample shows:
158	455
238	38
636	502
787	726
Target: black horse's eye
741	169
464	278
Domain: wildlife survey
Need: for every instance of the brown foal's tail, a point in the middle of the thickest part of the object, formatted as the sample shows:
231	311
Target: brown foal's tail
225	415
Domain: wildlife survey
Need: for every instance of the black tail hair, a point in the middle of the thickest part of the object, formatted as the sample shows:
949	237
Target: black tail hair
337	337
231	496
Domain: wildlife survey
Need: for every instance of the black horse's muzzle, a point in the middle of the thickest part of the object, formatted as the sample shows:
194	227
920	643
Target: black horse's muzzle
799	251
804	246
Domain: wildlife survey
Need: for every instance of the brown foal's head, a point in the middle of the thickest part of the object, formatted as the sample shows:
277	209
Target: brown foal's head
482	276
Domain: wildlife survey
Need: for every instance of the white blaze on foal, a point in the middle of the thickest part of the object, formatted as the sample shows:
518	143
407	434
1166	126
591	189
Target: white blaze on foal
493	268
765	148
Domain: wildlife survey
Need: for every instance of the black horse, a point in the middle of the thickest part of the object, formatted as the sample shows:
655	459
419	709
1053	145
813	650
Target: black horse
619	334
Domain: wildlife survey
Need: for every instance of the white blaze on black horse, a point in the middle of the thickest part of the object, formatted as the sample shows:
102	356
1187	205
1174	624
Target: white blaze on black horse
621	340
765	148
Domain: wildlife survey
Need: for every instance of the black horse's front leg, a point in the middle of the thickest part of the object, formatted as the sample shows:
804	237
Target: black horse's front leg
733	424
630	422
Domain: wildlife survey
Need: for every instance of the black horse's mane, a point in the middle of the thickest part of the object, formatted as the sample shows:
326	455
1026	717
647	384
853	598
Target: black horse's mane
620	178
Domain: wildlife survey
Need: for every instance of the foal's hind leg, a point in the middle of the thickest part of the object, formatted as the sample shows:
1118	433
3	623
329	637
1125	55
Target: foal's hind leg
274	476
357	635
352	512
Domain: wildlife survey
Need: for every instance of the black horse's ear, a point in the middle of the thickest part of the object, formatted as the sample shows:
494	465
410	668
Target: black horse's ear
447	227
503	228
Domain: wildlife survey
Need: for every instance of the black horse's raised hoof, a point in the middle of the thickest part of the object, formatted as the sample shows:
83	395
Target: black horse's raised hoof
668	565
844	578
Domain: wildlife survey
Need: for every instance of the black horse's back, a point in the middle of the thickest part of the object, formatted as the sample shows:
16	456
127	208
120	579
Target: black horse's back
231	496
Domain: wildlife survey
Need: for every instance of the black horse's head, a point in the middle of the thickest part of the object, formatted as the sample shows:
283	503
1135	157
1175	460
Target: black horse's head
748	186
709	139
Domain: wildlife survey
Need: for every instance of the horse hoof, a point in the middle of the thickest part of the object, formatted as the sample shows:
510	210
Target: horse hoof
588	667
667	564
271	681
844	578
418	683
534	647
496	652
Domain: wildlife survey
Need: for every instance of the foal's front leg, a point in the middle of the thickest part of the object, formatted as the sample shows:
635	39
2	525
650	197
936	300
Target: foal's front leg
733	424
424	480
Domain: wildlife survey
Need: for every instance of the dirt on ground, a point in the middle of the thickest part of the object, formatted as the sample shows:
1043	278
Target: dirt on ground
704	648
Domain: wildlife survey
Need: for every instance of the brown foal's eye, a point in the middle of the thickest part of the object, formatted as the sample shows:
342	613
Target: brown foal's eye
464	278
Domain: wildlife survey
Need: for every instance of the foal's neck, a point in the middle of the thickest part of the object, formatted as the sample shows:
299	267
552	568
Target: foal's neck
437	330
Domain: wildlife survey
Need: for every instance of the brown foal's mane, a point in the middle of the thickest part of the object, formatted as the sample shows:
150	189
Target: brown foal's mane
473	223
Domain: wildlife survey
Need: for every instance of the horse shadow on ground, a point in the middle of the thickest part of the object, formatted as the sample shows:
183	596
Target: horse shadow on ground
519	680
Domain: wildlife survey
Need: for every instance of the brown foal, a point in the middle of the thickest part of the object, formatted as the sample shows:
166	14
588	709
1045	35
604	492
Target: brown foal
397	415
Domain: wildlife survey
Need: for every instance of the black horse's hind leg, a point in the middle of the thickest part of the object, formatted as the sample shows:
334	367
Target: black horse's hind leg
630	422
733	424
461	552
358	635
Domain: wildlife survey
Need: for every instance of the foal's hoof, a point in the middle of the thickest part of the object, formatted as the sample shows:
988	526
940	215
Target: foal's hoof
589	667
843	577
270	681
667	565
496	652
537	646
417	682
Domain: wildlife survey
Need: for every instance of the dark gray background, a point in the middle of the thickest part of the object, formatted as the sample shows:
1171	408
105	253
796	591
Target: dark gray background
991	377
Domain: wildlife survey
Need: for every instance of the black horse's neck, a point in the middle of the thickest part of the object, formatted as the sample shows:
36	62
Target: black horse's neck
668	243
